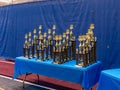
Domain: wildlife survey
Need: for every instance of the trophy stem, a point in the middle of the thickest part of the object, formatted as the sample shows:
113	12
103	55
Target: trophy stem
24	52
38	54
33	52
46	53
29	52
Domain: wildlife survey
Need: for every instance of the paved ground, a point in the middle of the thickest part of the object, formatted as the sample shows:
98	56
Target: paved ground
8	84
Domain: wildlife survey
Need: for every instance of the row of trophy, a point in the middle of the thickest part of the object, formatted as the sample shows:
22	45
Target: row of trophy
61	48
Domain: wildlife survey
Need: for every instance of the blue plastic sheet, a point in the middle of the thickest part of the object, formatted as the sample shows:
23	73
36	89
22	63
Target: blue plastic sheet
109	80
17	20
87	77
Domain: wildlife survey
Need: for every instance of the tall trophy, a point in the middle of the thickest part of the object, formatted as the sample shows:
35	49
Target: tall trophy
29	46
56	51
45	45
72	43
50	44
34	44
64	48
25	46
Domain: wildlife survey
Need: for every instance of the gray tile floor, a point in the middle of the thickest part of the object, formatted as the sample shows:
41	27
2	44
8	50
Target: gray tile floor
9	84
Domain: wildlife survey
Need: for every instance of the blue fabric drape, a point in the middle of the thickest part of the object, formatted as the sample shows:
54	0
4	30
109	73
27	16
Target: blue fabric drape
17	20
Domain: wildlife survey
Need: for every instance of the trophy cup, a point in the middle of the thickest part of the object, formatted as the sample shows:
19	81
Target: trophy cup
25	47
29	45
56	51
60	49
45	46
68	44
50	44
81	57
41	48
34	44
72	43
64	47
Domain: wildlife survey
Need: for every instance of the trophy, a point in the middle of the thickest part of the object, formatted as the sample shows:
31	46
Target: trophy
45	46
64	48
56	51
50	44
72	43
25	46
60	49
29	45
81	57
34	44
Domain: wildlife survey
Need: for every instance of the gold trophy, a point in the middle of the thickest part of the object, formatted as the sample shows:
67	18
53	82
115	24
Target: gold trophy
34	44
60	49
50	44
72	43
64	47
45	46
25	46
56	51
29	45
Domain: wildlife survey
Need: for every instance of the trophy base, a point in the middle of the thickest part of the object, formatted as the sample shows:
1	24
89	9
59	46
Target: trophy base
56	62
40	60
79	65
27	57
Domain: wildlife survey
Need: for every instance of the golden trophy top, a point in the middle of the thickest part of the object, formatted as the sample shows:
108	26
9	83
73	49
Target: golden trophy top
67	31
49	31
34	31
92	26
40	27
60	37
26	36
64	35
45	35
57	37
29	34
54	27
71	26
41	37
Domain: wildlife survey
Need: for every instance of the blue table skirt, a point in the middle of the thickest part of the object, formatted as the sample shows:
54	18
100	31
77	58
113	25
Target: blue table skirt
109	80
68	71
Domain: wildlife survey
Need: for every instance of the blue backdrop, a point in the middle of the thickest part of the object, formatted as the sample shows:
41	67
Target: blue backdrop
17	20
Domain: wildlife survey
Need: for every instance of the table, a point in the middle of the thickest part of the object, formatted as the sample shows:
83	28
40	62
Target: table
87	76
109	80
